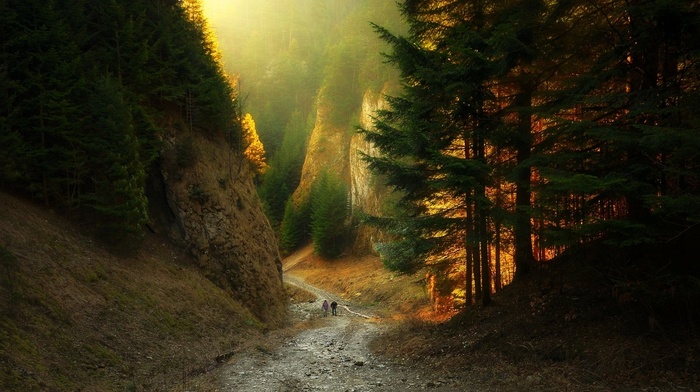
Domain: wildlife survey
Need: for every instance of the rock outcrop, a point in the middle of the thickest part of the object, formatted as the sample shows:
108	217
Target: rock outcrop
328	149
339	150
211	207
367	192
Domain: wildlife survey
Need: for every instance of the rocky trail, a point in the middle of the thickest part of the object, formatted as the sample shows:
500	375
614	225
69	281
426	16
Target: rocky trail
332	354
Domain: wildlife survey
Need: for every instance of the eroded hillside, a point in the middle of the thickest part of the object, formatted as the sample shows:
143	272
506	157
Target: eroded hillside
76	317
208	203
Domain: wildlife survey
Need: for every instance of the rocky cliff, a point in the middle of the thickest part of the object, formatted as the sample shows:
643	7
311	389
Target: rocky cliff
328	149
367	193
339	150
202	195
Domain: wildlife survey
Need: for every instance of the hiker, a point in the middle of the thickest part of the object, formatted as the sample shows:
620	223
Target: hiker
333	306
325	308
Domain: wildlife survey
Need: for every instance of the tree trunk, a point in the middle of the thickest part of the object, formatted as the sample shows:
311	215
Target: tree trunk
468	296
497	251
524	260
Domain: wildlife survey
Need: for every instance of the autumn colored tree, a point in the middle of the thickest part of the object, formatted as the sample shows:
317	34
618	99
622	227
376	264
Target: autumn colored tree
254	150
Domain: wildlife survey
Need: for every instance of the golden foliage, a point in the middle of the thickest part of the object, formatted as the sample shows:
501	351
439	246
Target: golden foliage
194	11
255	151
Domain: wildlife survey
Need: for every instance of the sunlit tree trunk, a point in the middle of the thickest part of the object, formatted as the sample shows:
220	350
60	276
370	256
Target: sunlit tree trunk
469	286
497	255
473	249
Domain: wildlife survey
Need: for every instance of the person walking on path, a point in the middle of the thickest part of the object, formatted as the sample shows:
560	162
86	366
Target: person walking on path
324	307
334	305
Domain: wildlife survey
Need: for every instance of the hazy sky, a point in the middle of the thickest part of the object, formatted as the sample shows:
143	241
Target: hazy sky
214	8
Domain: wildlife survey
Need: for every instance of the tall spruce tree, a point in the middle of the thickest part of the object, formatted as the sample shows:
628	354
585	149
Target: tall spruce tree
329	214
291	230
433	141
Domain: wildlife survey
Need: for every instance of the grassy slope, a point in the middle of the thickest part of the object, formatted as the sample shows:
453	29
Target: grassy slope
73	316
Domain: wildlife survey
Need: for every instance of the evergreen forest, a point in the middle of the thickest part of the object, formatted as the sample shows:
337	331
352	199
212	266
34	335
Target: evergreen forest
86	87
521	130
528	130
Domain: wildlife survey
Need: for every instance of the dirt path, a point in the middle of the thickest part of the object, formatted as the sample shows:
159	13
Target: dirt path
332	355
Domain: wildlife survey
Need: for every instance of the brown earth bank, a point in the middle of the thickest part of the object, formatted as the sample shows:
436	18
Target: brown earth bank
75	317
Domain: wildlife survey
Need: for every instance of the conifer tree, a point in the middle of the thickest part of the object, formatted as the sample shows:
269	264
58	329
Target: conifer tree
329	213
291	230
118	194
433	144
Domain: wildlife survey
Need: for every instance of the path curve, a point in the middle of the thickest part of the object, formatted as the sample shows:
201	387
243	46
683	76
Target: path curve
332	355
322	294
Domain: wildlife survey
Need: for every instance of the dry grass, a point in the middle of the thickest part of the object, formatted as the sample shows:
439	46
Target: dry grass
363	282
74	316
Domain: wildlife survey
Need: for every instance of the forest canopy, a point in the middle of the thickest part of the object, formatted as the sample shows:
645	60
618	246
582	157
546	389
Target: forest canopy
84	88
528	127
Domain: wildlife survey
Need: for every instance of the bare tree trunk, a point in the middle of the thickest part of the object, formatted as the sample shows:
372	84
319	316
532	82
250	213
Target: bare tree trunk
524	259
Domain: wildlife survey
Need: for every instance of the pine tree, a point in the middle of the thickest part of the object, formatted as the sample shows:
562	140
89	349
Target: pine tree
433	143
329	213
291	231
118	176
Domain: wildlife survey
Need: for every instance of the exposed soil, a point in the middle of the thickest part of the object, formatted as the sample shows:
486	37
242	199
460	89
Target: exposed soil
329	354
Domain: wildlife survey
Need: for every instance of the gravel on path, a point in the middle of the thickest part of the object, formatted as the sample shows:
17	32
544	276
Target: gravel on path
332	355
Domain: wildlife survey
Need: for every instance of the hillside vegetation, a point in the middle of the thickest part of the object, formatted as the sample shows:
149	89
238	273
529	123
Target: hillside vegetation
119	119
76	317
86	88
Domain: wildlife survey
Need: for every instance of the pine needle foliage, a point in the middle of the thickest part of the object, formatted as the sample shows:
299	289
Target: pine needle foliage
576	122
83	87
329	215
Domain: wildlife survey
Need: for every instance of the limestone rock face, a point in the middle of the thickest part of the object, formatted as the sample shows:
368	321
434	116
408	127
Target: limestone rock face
339	151
367	191
328	149
211	207
364	193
